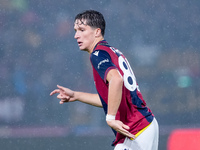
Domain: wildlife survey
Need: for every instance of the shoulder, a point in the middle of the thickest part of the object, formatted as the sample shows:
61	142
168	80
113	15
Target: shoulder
99	53
101	50
99	56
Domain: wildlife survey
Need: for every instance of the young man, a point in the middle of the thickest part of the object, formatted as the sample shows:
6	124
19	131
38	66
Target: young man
133	123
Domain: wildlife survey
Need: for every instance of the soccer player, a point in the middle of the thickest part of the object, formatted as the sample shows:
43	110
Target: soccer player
133	123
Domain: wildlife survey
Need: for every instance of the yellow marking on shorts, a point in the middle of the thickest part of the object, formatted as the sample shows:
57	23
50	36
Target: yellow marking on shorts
140	132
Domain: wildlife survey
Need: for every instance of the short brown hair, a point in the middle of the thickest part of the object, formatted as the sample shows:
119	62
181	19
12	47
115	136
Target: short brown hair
93	18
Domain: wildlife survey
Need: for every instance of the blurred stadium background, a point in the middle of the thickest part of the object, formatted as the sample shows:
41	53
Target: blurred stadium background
37	51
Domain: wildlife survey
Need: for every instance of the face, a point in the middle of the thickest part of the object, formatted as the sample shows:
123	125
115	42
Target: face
85	35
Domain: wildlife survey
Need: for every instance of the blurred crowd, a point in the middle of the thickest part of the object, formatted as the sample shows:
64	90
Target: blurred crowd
37	52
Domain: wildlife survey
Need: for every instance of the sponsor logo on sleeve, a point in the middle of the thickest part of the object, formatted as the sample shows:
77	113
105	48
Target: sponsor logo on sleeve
101	62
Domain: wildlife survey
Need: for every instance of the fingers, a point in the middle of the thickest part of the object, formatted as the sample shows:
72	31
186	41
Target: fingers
66	90
61	102
131	135
60	96
121	128
61	88
63	94
125	127
54	92
127	133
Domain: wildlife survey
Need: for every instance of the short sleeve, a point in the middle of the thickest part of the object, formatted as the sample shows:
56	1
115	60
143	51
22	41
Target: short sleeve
102	63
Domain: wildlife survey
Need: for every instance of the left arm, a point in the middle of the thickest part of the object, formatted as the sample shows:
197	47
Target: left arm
115	91
114	99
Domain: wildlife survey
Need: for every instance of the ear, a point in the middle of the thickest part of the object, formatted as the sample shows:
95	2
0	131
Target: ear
98	32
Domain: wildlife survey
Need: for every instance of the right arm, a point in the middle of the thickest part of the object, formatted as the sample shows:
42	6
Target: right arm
88	98
67	95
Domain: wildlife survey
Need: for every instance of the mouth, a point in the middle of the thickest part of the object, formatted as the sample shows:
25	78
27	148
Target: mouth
79	43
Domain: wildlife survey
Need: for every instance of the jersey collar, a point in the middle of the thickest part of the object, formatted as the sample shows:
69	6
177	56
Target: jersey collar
103	42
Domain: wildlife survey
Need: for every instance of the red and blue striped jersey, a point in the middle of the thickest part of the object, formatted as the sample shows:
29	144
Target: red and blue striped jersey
132	110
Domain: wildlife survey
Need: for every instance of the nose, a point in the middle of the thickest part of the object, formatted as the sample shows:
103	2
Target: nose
76	36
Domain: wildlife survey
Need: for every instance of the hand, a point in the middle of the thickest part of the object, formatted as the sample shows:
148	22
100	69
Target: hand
118	126
65	94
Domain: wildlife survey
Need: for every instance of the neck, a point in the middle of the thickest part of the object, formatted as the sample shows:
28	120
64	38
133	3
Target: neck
94	44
